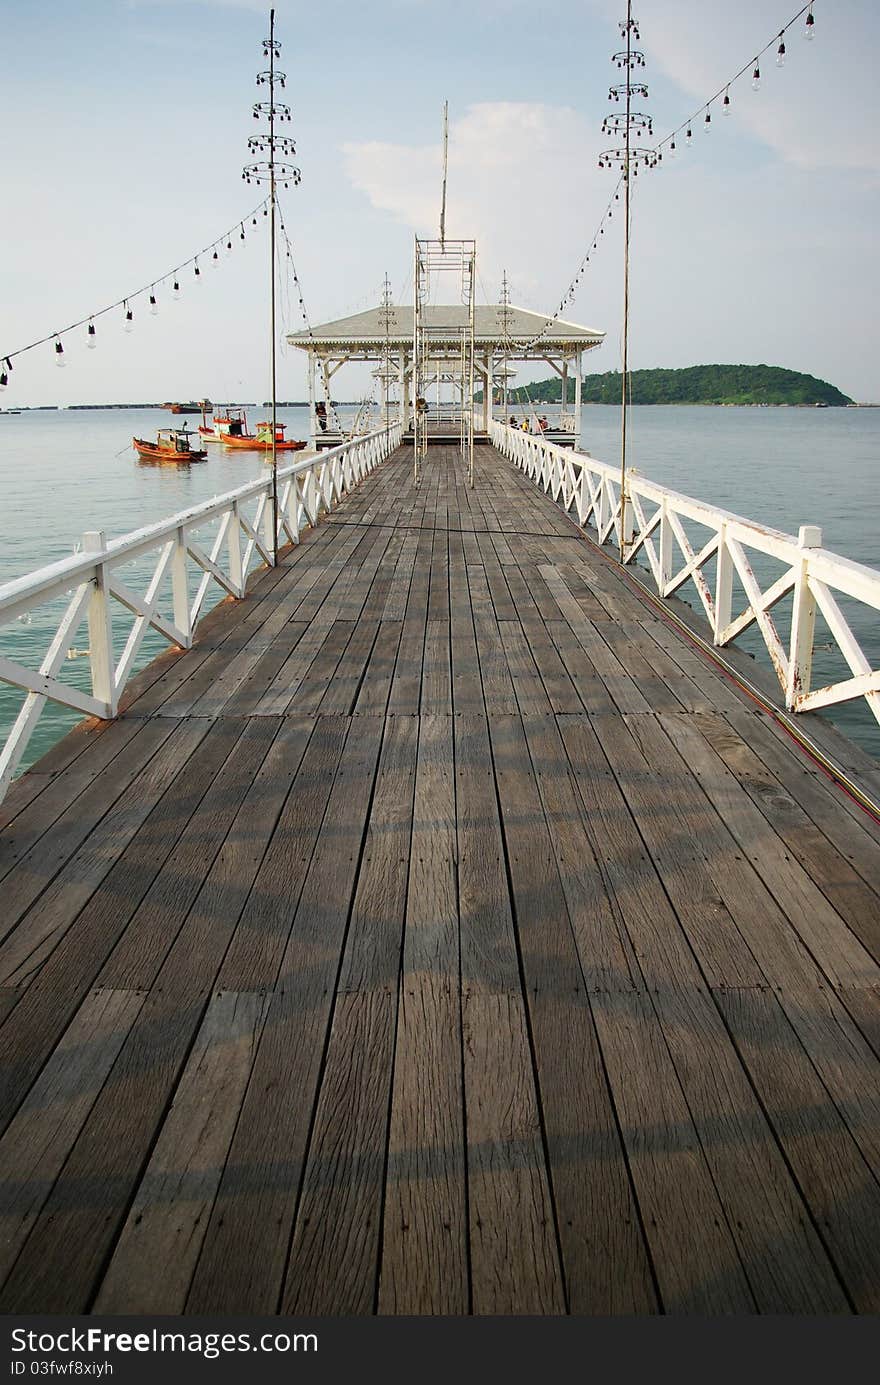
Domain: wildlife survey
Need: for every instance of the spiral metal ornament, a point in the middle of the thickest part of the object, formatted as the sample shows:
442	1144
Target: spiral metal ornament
648	158
639	124
263	109
633	88
262	171
630	60
282	144
271	79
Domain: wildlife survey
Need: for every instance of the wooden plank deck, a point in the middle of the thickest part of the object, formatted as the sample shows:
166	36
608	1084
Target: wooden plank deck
442	934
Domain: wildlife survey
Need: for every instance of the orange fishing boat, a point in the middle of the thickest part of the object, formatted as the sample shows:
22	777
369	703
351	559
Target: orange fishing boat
171	445
231	429
261	441
230	422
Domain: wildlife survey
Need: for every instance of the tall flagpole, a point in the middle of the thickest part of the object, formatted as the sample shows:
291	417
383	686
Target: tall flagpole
272	283
626	230
272	170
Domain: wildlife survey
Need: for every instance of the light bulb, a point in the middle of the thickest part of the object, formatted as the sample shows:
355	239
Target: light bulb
229	247
808	30
756	78
91	337
215	259
672	149
59	356
725	104
4	379
780	55
154	306
706	123
689	137
175	292
197	273
128	325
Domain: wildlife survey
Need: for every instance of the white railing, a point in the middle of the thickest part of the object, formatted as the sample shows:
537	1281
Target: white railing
655	518
91	586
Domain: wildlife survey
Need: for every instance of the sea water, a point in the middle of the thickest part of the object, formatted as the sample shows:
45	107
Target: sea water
65	472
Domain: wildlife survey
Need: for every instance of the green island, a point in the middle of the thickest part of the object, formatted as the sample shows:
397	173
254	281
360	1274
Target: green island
696	384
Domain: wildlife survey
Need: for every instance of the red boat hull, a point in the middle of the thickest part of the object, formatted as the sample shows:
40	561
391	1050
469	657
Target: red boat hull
154	453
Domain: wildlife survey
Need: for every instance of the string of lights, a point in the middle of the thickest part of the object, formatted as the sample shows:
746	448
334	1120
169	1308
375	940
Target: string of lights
703	113
171	276
571	291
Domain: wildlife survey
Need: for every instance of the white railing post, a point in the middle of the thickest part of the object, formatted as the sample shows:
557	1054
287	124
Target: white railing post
101	661
803	620
233	543
665	554
269	522
723	586
180	587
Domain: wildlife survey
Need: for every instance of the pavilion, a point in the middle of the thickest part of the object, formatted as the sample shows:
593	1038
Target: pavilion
503	334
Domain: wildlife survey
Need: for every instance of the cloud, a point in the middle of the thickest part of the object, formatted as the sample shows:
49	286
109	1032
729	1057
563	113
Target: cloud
510	165
819	111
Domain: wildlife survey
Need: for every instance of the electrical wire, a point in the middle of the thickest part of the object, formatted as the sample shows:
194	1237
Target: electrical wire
723	90
238	226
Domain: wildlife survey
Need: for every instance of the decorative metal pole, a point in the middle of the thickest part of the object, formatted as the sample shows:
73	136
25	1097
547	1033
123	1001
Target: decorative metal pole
629	124
273	171
271	47
626	231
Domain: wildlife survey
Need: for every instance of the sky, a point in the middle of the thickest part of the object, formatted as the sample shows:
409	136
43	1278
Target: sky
124	132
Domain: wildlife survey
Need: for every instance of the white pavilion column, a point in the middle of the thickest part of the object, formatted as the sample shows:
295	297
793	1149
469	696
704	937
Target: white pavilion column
577	399
564	395
404	392
487	391
313	422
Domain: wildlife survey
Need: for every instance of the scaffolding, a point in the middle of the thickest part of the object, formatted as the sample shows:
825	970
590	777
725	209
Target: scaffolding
433	258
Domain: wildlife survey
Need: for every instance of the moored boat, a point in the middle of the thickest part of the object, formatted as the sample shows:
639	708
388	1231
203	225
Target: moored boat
230	422
230	427
171	445
191	407
261	441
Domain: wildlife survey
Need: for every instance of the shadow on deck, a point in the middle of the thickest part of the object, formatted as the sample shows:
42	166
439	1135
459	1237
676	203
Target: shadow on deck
441	934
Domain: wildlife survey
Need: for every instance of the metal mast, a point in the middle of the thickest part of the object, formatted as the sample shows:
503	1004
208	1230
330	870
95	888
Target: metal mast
505	337
626	231
272	170
630	124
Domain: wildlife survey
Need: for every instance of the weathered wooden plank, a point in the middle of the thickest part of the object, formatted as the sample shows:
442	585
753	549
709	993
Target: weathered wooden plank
424	1244
840	882
604	1255
657	875
242	1262
62	1260
93	795
236	762
334	1257
169	1214
514	1254
836	949
737	930
37	1142
375	687
436	671
263	928
835	1181
30	943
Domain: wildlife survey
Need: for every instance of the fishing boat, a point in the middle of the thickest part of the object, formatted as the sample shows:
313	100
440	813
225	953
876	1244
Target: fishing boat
171	445
261	441
230	422
191	407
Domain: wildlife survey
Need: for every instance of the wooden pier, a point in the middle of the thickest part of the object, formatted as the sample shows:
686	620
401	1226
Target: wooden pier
443	933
